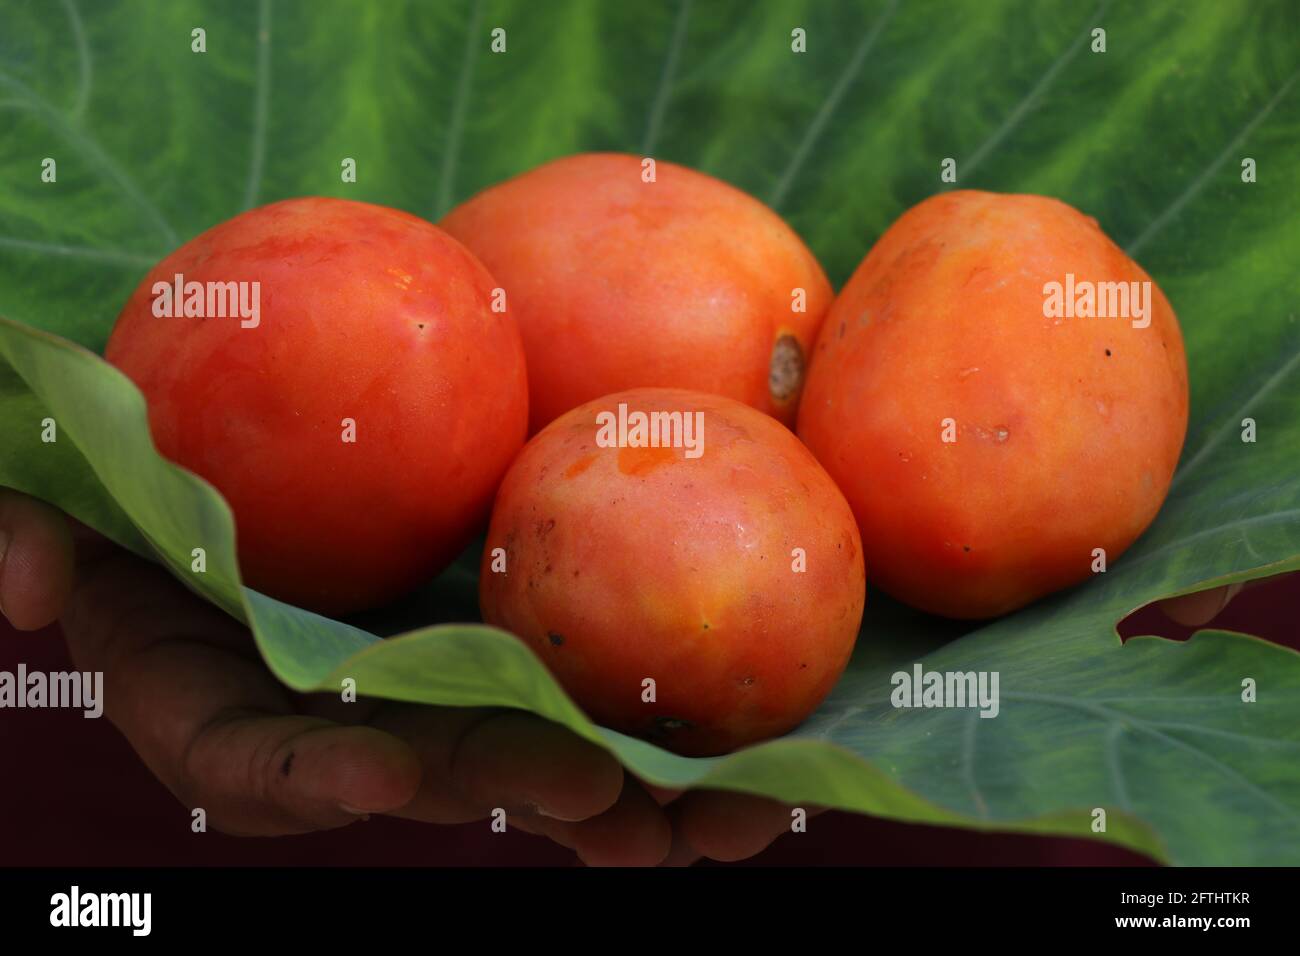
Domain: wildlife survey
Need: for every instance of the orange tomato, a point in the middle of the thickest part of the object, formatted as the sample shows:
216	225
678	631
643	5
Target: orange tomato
617	283
993	447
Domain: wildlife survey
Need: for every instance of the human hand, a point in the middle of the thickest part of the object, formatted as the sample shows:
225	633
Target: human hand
36	556
185	685
1201	607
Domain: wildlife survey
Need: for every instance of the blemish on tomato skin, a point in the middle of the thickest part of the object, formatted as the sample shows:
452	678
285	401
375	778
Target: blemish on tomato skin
997	434
667	725
579	466
786	368
639	462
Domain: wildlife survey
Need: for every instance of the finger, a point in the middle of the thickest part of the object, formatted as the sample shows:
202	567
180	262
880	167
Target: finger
731	826
477	760
1193	610
557	831
682	853
633	832
121	605
36	561
276	775
536	763
185	686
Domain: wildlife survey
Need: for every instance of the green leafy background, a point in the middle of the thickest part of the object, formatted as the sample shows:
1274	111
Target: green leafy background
155	143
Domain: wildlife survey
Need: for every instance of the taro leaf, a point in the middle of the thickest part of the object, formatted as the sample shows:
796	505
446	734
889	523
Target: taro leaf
155	143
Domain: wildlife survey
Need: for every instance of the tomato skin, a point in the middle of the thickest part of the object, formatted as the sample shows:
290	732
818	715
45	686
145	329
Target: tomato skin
617	283
630	563
1068	429
369	314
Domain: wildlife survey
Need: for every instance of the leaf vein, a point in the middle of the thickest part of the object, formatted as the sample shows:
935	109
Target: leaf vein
106	255
456	125
1128	565
1199	182
95	153
827	109
1116	767
1150	729
261	105
84	67
968	764
1017	115
1231	425
664	92
1245	782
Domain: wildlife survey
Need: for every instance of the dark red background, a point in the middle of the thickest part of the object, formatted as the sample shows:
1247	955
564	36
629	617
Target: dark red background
73	793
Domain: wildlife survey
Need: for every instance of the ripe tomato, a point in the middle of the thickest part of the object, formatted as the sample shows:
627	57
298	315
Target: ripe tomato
359	426
727	572
993	449
618	282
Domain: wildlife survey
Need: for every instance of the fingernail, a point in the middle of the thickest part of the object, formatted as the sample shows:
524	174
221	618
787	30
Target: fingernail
531	808
556	816
363	814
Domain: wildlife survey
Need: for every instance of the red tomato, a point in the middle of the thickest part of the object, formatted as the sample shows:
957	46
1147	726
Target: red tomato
731	578
373	325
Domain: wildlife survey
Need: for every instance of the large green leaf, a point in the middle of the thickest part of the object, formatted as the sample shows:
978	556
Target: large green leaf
155	143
